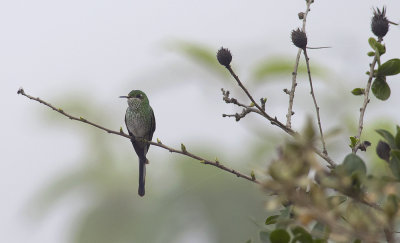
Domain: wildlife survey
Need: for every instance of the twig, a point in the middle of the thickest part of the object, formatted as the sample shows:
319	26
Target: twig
294	74
183	150
315	103
366	101
249	109
260	110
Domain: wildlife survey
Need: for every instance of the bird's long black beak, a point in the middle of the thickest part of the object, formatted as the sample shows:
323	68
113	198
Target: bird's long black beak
124	96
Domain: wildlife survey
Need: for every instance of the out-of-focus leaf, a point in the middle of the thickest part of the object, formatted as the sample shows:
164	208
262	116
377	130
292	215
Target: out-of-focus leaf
391	67
383	150
199	53
397	138
380	88
279	236
320	231
388	137
391	205
281	66
394	162
335	201
351	164
271	219
358	91
301	235
264	237
320	241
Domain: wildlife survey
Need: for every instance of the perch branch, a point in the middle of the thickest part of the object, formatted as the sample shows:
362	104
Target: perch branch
183	150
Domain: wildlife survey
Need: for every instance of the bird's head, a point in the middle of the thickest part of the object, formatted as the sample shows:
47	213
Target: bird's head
136	98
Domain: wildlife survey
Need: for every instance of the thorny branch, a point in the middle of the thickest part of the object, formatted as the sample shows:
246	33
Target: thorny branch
261	111
294	74
365	103
315	103
183	150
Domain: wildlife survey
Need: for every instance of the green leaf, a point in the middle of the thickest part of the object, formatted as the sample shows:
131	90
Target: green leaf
352	163
381	48
358	91
353	142
372	42
371	54
380	88
388	137
391	67
264	237
275	66
199	53
320	241
272	219
378	48
357	241
248	241
394	162
301	235
279	236
397	138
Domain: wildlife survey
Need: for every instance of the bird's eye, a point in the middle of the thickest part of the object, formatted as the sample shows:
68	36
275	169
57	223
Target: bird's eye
139	96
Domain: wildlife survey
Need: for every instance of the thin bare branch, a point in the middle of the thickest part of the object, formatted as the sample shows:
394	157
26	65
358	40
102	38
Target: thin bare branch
294	74
324	151
183	151
261	111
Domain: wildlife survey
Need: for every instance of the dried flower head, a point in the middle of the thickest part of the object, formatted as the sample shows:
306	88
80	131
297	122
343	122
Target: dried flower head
224	56
299	38
379	23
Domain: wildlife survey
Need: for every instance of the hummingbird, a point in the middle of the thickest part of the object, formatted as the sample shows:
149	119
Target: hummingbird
140	122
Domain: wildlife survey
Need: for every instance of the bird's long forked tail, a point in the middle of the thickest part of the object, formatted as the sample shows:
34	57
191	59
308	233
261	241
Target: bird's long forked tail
142	176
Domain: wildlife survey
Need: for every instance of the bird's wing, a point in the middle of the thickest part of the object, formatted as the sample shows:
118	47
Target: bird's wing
152	127
153	124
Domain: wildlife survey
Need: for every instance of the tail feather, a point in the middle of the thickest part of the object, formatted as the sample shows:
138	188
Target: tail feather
142	176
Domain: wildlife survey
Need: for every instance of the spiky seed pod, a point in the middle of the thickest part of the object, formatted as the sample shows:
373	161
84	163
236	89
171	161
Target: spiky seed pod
383	150
299	38
379	23
224	56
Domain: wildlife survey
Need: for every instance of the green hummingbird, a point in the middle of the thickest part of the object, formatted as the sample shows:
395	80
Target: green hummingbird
140	122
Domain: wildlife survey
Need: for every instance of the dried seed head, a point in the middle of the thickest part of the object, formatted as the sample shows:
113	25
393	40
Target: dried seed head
224	56
299	38
383	150
379	23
